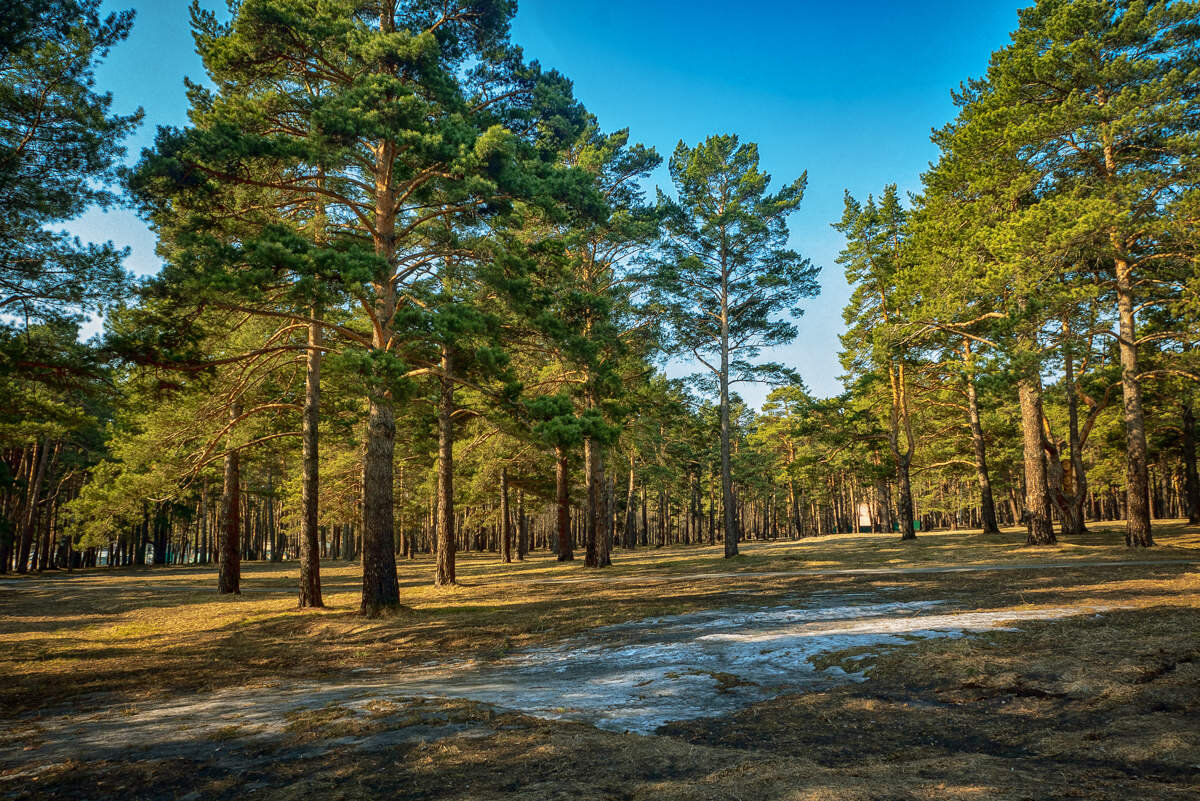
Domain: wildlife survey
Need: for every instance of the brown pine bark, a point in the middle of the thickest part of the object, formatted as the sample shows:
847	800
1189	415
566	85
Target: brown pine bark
1037	499
1137	482
596	552
446	548
229	555
1191	478
562	480
380	587
630	539
41	459
310	549
505	519
987	504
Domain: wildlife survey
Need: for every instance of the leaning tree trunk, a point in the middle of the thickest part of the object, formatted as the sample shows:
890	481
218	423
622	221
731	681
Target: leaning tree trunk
562	480
1037	500
310	548
229	554
446	545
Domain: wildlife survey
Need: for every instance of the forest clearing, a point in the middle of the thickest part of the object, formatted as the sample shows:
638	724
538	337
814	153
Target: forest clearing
465	399
105	698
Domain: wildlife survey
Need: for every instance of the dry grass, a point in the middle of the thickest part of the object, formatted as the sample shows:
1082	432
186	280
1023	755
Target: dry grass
1089	707
142	631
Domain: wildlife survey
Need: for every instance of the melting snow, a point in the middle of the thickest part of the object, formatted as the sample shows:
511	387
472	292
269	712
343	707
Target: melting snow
637	676
630	677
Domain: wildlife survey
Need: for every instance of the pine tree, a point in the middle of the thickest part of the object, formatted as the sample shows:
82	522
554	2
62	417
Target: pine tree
60	145
726	279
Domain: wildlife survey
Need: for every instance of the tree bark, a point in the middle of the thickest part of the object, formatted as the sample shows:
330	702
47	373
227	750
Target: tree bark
1191	479
229	555
447	546
380	587
31	509
1037	500
630	539
596	553
505	519
310	548
987	505
1137	483
562	480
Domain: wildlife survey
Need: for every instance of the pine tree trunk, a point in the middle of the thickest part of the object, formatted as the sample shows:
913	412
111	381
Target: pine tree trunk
310	486
728	511
1191	478
908	529
380	587
31	509
987	505
596	551
505	519
522	527
447	545
562	480
1037	499
229	556
630	509
1137	531
1076	481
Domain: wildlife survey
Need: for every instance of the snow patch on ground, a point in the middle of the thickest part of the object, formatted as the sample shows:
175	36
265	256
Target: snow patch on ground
633	676
637	676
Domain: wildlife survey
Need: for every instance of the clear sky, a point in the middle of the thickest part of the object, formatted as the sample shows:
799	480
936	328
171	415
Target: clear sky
848	91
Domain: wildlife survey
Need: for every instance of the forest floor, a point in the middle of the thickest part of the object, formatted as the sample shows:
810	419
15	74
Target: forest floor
845	667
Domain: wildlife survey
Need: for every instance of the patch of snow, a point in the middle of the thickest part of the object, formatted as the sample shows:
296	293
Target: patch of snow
632	676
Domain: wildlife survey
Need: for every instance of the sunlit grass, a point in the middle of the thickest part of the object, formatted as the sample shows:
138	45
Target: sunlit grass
151	630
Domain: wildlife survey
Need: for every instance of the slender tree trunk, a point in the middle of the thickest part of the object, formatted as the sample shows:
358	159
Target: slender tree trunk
1137	531
522	527
1076	481
31	509
229	556
505	519
1037	499
310	548
728	510
1191	478
908	529
630	509
562	482
447	546
596	552
987	506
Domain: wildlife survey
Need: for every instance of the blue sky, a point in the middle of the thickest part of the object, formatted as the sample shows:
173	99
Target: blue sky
846	91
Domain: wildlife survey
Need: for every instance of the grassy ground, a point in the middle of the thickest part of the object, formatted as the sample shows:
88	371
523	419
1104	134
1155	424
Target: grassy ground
1091	707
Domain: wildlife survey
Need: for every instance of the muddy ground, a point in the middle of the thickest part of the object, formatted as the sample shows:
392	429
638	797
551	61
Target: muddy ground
1092	691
